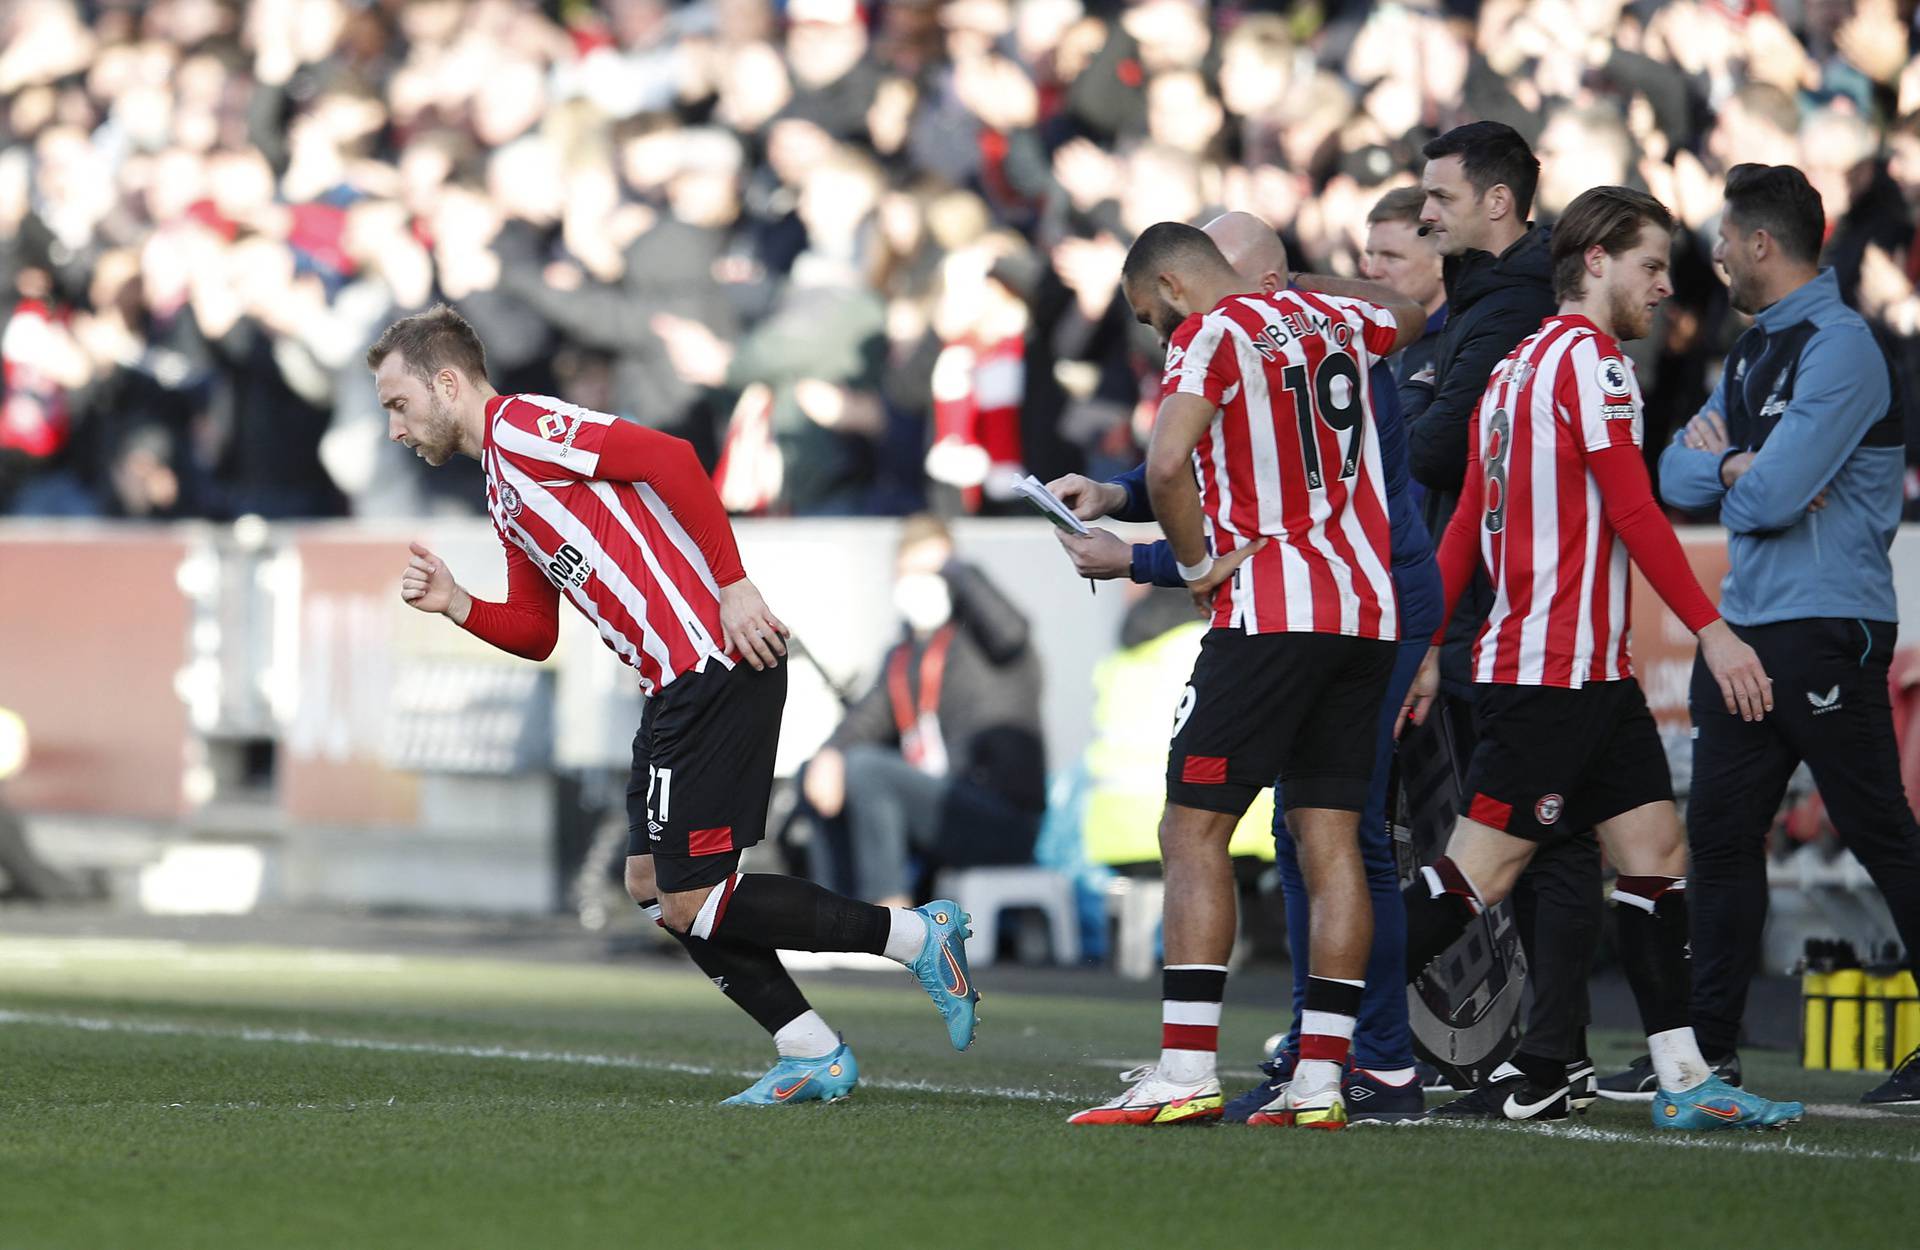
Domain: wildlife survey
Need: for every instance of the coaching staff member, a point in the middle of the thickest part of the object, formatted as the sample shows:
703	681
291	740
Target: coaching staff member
1802	449
1497	268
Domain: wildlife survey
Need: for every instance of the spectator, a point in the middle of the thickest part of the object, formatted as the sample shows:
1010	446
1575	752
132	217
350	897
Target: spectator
1841	156
980	377
604	296
569	180
807	412
1580	148
942	760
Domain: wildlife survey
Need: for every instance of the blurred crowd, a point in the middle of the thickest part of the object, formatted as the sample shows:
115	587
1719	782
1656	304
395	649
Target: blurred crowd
865	258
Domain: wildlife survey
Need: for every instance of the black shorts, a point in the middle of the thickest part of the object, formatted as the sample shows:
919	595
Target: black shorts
1551	762
1304	708
703	771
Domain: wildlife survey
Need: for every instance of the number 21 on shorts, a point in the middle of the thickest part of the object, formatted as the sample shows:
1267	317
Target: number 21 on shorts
659	793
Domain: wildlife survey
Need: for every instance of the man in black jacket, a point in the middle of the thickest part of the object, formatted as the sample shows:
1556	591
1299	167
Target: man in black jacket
942	760
1498	269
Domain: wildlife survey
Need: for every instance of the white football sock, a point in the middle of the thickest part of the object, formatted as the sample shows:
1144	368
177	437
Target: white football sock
1314	1076
907	936
806	1036
1677	1060
1186	1067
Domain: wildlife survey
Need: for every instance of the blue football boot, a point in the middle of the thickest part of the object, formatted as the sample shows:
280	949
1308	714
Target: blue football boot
1276	1074
1372	1100
941	968
1718	1105
826	1078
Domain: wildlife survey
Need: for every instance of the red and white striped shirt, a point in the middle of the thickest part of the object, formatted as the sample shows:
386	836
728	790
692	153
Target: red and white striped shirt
1293	455
619	519
1559	571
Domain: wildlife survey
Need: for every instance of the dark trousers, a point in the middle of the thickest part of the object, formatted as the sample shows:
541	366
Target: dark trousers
1830	709
1382	1037
1557	906
895	814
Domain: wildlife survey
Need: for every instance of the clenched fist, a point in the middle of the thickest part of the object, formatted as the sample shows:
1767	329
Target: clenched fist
427	585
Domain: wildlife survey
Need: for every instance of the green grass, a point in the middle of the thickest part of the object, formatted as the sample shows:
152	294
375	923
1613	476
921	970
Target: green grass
160	1095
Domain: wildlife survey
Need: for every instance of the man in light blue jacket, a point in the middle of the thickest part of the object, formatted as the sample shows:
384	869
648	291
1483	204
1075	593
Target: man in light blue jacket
1801	449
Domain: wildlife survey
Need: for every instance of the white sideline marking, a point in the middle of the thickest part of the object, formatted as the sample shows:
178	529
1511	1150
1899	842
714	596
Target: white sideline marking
1820	1110
590	1059
587	1059
1852	1111
1717	1141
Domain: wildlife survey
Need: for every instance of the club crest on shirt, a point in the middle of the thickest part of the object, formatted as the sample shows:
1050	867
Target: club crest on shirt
1548	809
1612	377
509	500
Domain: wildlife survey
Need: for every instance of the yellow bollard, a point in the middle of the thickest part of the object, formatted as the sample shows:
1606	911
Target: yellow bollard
1876	1024
1813	1029
1847	987
1906	1015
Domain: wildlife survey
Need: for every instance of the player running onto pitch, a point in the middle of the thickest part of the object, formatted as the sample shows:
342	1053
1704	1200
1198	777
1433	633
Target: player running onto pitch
623	521
1555	500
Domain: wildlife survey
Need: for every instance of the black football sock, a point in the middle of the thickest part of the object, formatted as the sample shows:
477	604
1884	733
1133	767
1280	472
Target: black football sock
786	913
1441	903
752	977
1652	925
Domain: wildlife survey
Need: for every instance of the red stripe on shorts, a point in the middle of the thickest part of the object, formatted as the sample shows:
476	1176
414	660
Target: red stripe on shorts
1204	770
1490	812
710	841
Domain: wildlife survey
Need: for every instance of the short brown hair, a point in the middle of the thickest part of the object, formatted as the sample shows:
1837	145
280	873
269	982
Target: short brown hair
436	339
1400	204
1607	217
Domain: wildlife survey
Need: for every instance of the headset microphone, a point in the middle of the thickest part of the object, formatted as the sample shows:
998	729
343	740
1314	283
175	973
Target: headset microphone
1424	231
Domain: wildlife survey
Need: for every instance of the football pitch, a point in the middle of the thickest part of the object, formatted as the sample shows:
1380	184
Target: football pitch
162	1094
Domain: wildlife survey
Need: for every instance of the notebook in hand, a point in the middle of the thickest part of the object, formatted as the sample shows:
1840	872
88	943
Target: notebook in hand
1044	501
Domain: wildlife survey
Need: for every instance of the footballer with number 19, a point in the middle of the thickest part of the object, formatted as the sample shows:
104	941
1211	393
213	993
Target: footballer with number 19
1556	498
1265	438
623	521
